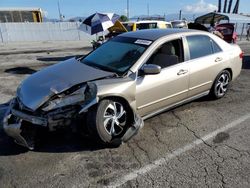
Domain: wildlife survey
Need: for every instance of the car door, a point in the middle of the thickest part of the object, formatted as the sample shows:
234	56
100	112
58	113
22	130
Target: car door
204	65
154	92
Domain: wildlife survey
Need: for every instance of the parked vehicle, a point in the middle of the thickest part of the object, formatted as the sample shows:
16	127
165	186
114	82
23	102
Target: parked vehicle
152	24
121	27
197	26
128	79
146	24
227	31
179	24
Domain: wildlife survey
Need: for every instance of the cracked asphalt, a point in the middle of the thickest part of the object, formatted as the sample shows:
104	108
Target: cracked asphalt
156	157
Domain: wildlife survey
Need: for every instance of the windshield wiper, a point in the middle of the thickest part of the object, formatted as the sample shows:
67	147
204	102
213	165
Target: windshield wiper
100	67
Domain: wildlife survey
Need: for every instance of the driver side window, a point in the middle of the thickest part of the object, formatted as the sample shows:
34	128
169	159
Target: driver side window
170	53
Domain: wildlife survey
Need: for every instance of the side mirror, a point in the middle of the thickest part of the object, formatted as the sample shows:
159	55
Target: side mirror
151	69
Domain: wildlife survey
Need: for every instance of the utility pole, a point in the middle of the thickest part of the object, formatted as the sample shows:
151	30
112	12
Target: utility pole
128	9
219	6
229	6
148	9
236	8
59	11
180	15
225	7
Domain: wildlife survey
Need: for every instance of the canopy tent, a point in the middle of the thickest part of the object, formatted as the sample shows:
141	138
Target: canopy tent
214	17
100	22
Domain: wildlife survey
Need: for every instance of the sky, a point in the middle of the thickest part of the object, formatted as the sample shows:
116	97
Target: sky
84	8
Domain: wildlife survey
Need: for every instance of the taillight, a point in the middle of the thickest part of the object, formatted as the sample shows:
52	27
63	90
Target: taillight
241	55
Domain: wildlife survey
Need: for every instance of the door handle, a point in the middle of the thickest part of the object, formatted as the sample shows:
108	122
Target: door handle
218	59
182	71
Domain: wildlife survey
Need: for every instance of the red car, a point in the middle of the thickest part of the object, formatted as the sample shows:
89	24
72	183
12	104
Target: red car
227	30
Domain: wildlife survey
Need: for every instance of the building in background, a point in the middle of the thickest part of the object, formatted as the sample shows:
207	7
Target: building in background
20	15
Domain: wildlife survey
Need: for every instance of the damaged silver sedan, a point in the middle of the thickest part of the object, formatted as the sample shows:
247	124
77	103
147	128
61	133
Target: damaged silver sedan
130	78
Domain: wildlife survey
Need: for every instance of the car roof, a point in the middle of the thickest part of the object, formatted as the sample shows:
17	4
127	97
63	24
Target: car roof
154	34
129	22
145	21
152	21
179	21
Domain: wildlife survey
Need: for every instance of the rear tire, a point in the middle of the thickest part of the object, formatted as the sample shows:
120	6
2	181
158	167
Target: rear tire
109	121
221	84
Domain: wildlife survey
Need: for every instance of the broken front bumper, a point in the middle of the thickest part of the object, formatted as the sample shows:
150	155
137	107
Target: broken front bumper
20	126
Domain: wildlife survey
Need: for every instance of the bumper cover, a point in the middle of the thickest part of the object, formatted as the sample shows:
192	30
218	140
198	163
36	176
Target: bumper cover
14	120
134	129
14	129
30	118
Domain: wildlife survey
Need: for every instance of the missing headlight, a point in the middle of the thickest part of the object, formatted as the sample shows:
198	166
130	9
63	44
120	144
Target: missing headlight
63	100
90	92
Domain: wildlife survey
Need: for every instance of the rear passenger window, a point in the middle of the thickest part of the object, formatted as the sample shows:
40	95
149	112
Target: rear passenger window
216	47
146	26
199	46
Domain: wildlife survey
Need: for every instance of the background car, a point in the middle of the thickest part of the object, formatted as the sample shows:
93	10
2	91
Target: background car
128	79
179	24
138	25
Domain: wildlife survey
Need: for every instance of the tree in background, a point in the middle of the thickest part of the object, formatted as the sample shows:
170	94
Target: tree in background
123	18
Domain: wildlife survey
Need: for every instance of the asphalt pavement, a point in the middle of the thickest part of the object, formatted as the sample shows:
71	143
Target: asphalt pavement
204	143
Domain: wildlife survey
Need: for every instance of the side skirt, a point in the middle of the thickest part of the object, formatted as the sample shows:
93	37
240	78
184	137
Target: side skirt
175	105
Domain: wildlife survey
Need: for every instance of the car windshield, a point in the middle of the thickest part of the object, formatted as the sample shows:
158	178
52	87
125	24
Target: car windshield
117	55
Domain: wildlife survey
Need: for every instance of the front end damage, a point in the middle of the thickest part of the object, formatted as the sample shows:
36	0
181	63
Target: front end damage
59	111
23	124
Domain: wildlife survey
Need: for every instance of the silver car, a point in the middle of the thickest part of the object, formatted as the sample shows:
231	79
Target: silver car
132	77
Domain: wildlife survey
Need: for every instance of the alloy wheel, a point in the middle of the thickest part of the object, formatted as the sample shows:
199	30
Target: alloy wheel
114	119
222	84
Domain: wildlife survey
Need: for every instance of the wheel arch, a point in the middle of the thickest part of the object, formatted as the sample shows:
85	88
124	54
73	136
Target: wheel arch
227	69
136	121
212	90
230	71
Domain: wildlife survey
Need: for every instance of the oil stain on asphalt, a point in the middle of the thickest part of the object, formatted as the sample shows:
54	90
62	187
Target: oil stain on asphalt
220	137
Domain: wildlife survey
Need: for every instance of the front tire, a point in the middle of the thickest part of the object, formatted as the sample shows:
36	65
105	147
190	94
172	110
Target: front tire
109	121
221	84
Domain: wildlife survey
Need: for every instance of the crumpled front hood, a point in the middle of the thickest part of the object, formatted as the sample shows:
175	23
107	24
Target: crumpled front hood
39	87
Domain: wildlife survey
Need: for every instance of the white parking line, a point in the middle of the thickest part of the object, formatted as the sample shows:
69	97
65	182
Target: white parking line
155	164
9	77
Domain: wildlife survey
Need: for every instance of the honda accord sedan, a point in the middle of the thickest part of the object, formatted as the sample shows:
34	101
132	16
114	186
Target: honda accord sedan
112	90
